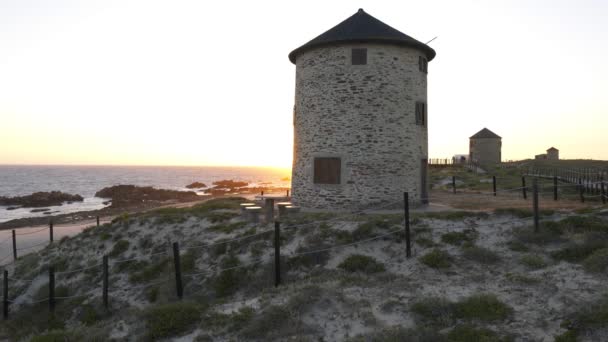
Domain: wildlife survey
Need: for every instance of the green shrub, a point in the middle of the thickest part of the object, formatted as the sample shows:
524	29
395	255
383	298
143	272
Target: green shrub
480	254
227	228
27	263
597	262
453	215
458	238
568	336
119	247
361	263
188	261
152	294
364	231
484	307
436	259
425	242
577	252
149	272
218	203
171	319
517	246
89	315
522	213
274	320
578	224
533	261
591	317
308	260
54	336
221	216
242	316
437	311
227	282
399	334
548	232
469	333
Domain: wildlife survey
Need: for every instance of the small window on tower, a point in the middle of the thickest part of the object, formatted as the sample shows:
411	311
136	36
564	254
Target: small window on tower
359	56
423	64
421	113
327	171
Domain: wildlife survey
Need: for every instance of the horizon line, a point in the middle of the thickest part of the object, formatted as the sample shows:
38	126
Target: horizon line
149	165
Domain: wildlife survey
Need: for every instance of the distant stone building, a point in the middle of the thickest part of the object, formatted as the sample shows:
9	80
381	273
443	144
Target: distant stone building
485	147
360	117
553	154
460	158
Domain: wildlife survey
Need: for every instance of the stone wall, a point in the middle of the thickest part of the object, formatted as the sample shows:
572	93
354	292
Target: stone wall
553	154
364	114
485	150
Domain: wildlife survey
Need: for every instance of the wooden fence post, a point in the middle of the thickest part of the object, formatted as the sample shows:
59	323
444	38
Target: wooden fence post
5	296
555	188
14	245
105	281
51	231
51	289
494	184
581	191
523	187
454	184
287	192
178	271
406	212
97	219
535	204
277	253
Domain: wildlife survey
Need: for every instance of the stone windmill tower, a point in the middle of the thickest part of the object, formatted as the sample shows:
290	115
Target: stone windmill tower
360	116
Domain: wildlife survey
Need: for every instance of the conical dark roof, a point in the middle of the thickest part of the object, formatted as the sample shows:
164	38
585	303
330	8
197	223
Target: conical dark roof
485	133
362	28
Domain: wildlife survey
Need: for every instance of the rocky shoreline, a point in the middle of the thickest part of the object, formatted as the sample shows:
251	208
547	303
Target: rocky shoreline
39	200
132	199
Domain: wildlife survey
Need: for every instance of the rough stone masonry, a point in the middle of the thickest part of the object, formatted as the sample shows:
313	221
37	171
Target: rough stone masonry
366	117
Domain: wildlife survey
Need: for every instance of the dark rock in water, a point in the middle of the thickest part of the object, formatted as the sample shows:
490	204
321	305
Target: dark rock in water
131	195
229	184
196	185
106	202
39	210
12	208
41	199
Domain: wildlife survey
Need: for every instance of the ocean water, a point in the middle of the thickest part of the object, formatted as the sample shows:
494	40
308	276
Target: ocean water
86	180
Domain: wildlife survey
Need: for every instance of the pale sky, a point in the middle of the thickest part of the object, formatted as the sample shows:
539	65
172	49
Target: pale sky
209	82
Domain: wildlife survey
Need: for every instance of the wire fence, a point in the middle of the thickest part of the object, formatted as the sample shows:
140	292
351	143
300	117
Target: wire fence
104	266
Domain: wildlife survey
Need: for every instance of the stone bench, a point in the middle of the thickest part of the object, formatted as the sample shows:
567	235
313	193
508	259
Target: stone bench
254	213
292	209
281	206
244	206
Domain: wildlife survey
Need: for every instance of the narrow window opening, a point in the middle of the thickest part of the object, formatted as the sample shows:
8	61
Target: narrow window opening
359	56
423	65
421	113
